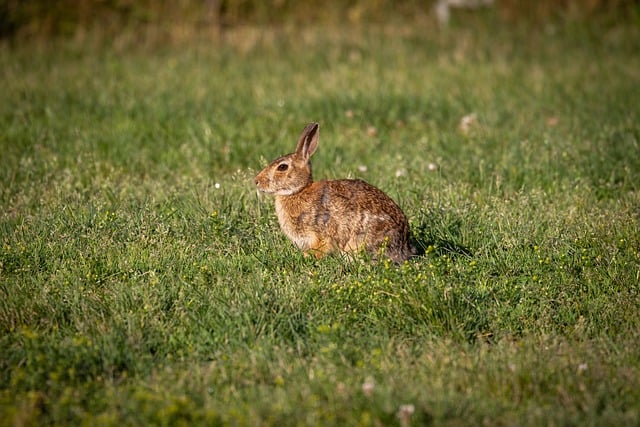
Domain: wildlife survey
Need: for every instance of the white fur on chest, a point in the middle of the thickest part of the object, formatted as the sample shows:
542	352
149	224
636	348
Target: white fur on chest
288	226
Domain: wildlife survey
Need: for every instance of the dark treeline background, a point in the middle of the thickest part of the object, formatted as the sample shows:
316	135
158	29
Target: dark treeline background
20	19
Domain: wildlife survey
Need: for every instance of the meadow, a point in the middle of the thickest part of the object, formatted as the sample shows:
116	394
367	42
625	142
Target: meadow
143	281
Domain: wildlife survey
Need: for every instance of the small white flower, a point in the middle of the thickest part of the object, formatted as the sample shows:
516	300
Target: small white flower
401	172
467	122
216	185
408	409
362	168
367	387
432	167
404	414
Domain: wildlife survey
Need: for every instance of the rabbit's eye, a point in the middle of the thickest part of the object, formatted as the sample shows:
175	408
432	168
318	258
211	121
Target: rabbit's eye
283	167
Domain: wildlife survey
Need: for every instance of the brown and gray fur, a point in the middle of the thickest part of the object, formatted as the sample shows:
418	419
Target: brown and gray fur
345	215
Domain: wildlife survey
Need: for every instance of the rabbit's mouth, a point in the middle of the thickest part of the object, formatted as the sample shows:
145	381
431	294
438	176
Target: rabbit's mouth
278	191
269	188
263	188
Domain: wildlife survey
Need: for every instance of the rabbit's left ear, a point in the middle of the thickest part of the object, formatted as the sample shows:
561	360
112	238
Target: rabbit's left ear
308	142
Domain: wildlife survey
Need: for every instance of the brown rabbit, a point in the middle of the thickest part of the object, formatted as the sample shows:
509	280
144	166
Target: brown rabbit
345	215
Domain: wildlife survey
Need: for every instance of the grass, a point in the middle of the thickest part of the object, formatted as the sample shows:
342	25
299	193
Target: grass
143	281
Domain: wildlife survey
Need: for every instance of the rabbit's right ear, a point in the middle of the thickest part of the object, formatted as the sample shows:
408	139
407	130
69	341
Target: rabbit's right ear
308	142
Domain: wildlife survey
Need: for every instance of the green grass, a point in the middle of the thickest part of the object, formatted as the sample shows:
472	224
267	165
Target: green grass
143	281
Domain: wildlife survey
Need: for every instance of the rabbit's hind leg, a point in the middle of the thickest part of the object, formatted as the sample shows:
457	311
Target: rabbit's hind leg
319	247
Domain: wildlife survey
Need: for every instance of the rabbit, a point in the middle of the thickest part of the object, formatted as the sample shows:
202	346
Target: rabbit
344	215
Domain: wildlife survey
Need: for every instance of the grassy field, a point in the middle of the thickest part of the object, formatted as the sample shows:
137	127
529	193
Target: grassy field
144	282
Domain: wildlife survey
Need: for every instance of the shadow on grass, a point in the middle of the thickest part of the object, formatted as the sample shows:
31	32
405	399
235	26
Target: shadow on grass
427	240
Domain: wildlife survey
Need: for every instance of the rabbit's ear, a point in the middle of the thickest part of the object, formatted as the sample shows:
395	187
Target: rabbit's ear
308	141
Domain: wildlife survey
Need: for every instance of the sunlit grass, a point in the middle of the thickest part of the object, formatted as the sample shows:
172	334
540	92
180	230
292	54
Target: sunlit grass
145	282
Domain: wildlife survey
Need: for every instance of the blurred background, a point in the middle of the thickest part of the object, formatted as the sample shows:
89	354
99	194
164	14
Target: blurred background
172	20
